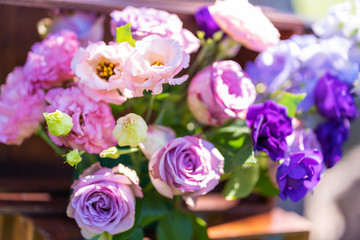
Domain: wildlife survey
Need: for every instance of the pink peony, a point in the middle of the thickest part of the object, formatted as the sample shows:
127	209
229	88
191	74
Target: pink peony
186	166
99	66
245	23
154	62
157	136
21	108
48	63
220	92
104	200
93	121
149	21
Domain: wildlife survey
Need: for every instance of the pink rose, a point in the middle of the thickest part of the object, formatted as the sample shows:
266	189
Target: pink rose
154	62
21	108
186	166
48	63
149	21
104	200
220	92
157	136
245	23
99	66
93	121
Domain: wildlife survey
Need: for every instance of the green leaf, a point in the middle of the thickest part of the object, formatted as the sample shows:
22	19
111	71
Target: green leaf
123	34
200	228
234	143
242	182
154	207
176	225
265	186
137	235
290	101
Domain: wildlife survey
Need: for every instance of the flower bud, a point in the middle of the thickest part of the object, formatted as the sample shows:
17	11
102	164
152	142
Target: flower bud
59	123
111	152
73	157
130	130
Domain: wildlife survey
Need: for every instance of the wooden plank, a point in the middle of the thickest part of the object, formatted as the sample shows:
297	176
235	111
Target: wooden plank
275	222
185	6
23	229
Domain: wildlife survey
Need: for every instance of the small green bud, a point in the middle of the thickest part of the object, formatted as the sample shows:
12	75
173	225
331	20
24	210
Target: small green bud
59	123
111	152
73	157
130	130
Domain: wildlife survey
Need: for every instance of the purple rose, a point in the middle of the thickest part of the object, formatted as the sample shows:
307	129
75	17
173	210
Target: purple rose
220	92
334	100
205	21
332	135
187	166
299	173
104	200
270	125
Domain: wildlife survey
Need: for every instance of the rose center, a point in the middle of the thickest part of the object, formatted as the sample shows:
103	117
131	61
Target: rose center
105	69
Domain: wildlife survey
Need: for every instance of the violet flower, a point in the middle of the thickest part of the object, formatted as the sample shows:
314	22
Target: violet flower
299	173
270	125
205	22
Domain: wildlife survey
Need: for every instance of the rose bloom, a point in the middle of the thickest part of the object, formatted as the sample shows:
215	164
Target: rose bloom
48	63
299	173
220	92
93	121
104	200
186	166
334	100
154	62
245	23
332	135
270	125
157	136
149	21
100	65
21	108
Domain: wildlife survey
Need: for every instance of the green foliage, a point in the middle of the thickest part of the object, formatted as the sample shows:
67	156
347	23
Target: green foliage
200	228
265	186
234	143
123	34
290	100
176	225
242	182
154	207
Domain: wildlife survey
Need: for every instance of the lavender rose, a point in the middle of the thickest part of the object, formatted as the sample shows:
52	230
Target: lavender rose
187	166
104	200
205	21
299	173
334	100
332	135
270	125
220	92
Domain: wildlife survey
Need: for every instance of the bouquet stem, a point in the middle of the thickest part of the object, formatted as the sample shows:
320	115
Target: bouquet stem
40	131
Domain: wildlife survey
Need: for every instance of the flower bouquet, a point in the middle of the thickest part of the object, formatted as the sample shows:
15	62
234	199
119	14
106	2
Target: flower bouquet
149	129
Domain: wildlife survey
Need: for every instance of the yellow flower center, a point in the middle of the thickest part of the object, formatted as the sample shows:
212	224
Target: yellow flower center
105	69
157	63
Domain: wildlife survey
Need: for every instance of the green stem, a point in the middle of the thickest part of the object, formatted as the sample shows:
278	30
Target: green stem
148	114
40	131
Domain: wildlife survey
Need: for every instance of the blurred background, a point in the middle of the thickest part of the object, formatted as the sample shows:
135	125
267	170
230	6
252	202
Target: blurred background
333	209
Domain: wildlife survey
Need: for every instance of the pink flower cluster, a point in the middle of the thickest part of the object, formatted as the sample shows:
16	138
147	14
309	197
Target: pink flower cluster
93	121
21	108
149	21
117	71
48	62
